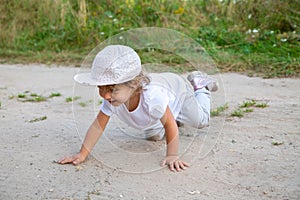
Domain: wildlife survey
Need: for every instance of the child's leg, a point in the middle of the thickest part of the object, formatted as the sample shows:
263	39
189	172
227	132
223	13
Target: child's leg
196	109
202	97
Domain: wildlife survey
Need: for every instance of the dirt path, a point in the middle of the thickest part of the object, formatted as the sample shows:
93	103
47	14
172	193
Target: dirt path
256	156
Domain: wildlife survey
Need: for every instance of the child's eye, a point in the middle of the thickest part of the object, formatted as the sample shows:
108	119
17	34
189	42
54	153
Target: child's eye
115	90
107	89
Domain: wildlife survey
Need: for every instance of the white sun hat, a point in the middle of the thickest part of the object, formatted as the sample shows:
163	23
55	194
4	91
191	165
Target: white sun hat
114	64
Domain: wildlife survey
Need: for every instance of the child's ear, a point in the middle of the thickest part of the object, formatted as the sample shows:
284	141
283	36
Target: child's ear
138	83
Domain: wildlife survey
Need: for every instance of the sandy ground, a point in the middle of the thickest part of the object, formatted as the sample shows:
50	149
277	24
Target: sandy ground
253	157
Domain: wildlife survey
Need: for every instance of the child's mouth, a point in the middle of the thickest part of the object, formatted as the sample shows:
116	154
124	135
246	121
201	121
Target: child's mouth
112	102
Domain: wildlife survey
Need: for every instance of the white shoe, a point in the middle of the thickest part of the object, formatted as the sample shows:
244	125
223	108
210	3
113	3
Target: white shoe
200	80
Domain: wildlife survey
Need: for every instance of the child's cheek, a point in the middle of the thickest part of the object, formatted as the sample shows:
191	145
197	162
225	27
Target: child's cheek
122	99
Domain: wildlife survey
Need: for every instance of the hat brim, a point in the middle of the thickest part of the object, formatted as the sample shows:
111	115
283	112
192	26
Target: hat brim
86	79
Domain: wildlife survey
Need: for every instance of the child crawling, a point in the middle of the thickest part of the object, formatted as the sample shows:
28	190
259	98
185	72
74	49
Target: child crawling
154	104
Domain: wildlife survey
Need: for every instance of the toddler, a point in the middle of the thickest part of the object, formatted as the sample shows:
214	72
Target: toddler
154	103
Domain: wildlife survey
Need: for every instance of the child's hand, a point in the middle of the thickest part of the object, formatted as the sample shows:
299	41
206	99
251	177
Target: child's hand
174	163
75	160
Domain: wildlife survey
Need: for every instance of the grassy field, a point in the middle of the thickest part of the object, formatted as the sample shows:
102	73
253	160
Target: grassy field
257	37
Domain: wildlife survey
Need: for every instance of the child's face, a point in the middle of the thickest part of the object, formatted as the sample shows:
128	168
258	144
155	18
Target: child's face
116	94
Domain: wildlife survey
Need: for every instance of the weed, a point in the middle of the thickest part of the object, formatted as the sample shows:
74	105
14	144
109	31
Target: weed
37	98
247	107
33	95
76	98
70	99
29	97
21	96
247	104
57	94
218	110
277	143
35	136
93	193
82	104
38	119
261	105
237	113
248	110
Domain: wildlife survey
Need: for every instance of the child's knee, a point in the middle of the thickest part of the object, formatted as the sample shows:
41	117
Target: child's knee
201	122
202	125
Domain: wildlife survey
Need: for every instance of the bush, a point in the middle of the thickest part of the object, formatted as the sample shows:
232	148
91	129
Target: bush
258	35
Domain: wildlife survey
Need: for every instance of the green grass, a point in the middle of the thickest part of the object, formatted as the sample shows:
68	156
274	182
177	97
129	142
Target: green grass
261	105
38	119
27	96
83	104
248	110
70	99
237	113
247	107
55	94
38	98
32	97
257	37
218	110
21	96
247	104
276	143
253	103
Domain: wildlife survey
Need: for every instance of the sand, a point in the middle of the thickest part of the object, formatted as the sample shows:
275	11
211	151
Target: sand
256	156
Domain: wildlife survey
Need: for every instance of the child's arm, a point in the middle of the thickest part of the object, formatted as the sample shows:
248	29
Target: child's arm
172	137
93	134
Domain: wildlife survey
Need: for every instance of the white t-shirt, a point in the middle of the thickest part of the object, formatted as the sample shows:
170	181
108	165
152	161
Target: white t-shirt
165	89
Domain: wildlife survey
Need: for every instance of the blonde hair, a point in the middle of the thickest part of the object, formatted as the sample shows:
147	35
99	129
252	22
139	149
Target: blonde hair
138	83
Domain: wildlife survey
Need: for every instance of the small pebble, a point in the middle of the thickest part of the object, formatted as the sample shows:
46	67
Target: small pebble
78	168
194	192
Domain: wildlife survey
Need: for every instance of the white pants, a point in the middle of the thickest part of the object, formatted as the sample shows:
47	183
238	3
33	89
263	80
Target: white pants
195	110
